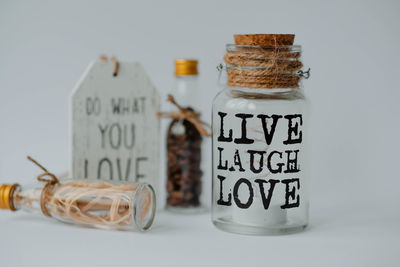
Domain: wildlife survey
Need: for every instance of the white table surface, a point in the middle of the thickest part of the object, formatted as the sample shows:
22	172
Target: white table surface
337	236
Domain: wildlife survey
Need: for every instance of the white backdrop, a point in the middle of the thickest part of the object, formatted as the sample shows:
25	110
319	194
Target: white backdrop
351	48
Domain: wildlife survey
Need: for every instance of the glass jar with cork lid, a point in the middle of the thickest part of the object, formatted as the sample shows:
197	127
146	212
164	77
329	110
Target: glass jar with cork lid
259	123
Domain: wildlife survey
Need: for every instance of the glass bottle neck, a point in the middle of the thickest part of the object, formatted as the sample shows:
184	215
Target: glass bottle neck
185	89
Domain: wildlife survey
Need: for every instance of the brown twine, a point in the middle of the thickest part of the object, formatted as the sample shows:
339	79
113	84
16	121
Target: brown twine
115	61
264	59
79	201
186	114
266	85
270	67
276	67
46	194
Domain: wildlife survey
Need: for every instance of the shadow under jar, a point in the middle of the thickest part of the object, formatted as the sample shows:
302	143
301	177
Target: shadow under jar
259	123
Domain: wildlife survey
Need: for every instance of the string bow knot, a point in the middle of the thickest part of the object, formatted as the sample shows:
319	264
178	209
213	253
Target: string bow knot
50	181
186	114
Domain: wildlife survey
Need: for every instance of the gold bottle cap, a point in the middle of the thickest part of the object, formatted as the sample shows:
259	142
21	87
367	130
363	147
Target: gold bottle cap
6	192
186	67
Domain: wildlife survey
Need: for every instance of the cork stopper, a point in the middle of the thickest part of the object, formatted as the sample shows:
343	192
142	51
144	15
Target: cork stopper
264	39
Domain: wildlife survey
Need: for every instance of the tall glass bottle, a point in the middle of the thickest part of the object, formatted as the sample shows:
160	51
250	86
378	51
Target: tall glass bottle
184	141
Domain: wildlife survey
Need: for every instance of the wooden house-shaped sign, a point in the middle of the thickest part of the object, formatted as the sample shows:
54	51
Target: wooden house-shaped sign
114	125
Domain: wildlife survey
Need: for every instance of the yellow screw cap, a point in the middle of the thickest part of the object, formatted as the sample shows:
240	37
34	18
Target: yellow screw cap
186	67
6	192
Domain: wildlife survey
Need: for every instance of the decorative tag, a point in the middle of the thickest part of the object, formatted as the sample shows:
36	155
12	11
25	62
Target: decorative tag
115	128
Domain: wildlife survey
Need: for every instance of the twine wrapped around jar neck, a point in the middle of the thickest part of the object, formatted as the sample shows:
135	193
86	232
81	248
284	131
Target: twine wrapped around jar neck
270	62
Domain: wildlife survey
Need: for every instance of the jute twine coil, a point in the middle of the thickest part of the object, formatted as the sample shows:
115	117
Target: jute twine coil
268	58
258	66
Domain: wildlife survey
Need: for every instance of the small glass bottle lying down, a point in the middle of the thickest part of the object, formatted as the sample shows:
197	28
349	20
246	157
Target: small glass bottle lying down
95	204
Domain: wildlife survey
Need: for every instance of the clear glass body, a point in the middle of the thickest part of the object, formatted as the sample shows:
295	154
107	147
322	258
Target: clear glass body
184	149
94	204
259	161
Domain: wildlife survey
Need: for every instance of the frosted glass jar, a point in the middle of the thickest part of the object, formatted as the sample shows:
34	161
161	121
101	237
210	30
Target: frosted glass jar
259	159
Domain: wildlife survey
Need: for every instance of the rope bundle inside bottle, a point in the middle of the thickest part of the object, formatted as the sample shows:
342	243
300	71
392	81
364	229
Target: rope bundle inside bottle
88	202
271	62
